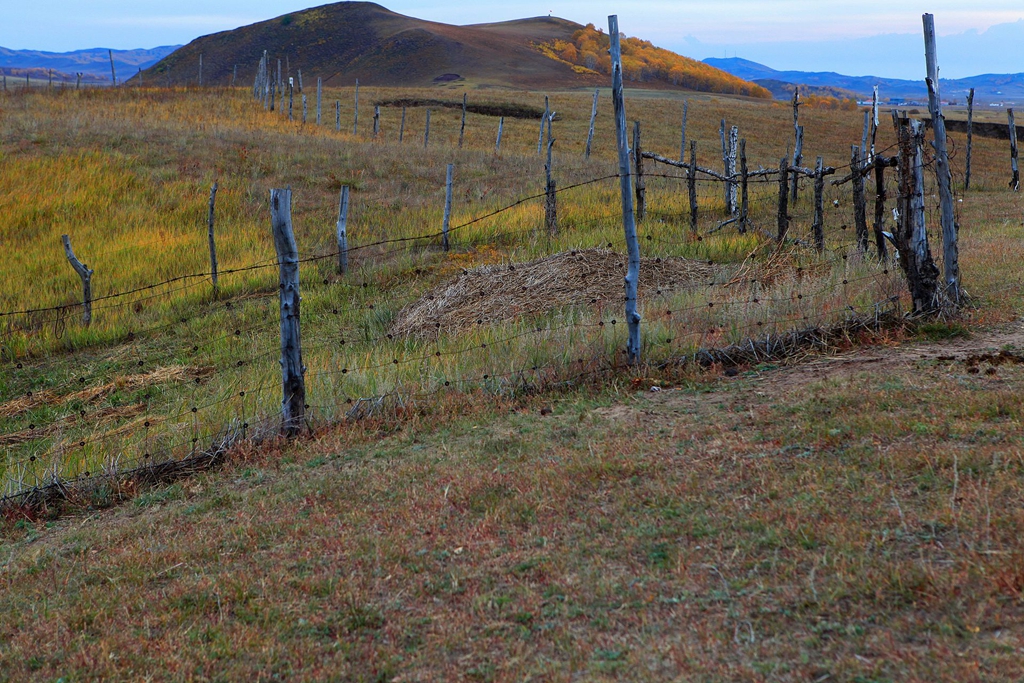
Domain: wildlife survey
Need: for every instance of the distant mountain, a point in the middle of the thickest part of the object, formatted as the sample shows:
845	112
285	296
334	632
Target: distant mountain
1002	88
346	41
95	61
781	90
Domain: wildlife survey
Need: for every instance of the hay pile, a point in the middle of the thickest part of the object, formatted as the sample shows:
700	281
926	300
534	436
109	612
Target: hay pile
496	293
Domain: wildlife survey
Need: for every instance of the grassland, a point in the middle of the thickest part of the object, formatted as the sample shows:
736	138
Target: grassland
858	524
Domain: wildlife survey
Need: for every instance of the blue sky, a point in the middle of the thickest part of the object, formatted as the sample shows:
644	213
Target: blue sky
785	34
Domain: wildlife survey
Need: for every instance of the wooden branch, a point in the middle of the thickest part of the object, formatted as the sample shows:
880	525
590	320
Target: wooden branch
85	273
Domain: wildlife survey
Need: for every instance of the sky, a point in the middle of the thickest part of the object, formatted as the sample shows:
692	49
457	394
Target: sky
877	37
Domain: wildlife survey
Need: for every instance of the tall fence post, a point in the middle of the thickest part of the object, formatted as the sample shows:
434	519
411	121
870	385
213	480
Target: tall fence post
447	208
462	128
543	120
951	250
85	273
744	180
880	197
864	135
293	386
860	219
734	134
783	214
798	157
818	225
342	233
1015	178
682	135
210	239
319	99
725	166
593	119
401	129
638	164
501	129
691	186
426	132
910	235
874	123
550	197
632	278
970	139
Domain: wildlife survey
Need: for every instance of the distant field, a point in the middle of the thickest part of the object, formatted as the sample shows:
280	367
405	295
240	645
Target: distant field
451	534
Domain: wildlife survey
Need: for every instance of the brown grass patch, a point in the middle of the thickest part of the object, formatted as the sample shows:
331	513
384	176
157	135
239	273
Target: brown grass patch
497	293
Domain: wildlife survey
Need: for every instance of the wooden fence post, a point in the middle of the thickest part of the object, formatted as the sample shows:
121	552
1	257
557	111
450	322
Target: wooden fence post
501	128
550	198
426	132
818	225
744	199
691	186
543	120
200	69
301	89
462	128
1015	178
447	208
951	250
291	97
970	138
213	244
864	135
401	130
293	386
734	134
337	115
910	235
234	75
273	95
355	115
798	157
640	185
593	119
303	109
725	165
632	278
860	219
113	73
85	273
342	232
682	135
874	122
319	98
376	121
78	81
783	212
880	197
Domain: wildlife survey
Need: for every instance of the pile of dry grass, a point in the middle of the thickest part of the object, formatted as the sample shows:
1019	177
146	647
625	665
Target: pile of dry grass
496	293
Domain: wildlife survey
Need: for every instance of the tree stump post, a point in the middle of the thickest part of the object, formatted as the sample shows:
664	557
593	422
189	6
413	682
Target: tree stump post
85	273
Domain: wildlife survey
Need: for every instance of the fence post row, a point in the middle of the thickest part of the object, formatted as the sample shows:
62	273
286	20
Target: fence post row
632	278
85	273
880	196
293	386
951	256
213	244
734	134
376	121
401	130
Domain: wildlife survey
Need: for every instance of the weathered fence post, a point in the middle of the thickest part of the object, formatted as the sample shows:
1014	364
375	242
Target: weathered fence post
910	235
426	132
376	121
293	386
401	129
291	97
301	89
880	197
1015	178
783	214
355	115
234	75
725	166
818	225
640	185
273	95
342	232
682	135
447	208
593	119
550	198
462	128
951	250
319	98
874	123
691	186
85	273
113	73
337	115
744	199
200	69
213	244
864	135
78	81
860	219
734	134
970	138
303	109
798	157
632	278
501	128
543	120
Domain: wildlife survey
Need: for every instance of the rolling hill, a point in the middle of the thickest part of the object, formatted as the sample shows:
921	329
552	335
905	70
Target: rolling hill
93	62
345	41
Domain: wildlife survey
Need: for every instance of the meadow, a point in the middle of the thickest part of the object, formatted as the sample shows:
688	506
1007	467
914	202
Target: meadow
495	578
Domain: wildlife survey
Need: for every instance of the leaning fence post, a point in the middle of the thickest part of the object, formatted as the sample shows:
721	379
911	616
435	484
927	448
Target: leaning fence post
744	197
632	278
462	128
426	132
540	136
85	273
691	186
860	219
818	226
293	401
970	139
1015	179
501	128
343	231
951	251
113	73
783	215
213	244
447	208
593	119
638	164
